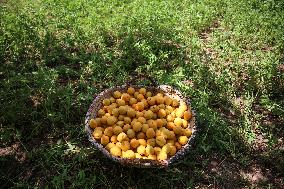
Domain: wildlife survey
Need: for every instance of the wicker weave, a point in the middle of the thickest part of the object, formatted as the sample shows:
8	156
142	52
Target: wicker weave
167	90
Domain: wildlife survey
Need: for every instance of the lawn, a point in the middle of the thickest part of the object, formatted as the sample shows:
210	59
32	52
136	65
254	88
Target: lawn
226	55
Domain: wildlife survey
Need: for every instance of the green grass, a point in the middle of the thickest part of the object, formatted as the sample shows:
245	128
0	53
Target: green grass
226	55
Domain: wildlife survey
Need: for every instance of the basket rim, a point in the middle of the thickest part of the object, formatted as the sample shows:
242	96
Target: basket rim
138	162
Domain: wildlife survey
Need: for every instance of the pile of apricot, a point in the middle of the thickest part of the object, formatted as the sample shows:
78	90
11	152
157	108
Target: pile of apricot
140	124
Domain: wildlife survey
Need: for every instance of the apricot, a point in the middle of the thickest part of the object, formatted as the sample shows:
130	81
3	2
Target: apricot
117	130
170	125
104	140
121	117
126	97
145	127
108	131
150	133
115	112
112	100
141	120
111	120
120	102
134	143
148	94
182	140
184	123
166	148
173	150
101	112
151	101
178	130
125	145
140	97
110	145
117	94
168	100
127	120
130	133
149	150
126	127
136	94
141	150
132	101
137	126
187	115
160	100
179	112
122	110
95	123
187	132
148	114
128	154
130	90
160	123
106	102
138	156
113	138
162	113
160	140
157	150
97	134
142	142
154	108
152	124
115	151
178	121
131	113
162	156
151	142
121	136
152	157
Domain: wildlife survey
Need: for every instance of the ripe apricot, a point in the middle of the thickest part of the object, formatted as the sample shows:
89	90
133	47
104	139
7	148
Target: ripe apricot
126	127
120	102
117	130
106	102
128	154
130	90
141	150
130	133
134	143
141	135
132	101
137	126
187	115
187	132
160	140
126	97
115	151
175	103
104	140
108	131
150	133
121	136
148	114
151	142
117	94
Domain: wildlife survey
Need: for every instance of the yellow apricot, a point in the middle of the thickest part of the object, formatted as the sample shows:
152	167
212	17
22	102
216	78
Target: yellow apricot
131	113
187	115
157	150
161	106
187	132
112	100
136	94
173	150
160	140
113	138
95	123
179	112
162	156
141	120
111	120
154	108
178	121
104	140
120	123
141	135
97	134
117	94
166	148
110	145
137	126
142	91
182	140
137	156
178	130
184	123
115	112
128	154
121	136
145	127
126	127
120	102
162	113
134	143
152	124
142	142
101	112
117	130
130	90
160	123
108	131
149	150
141	150
126	97
115	151
132	101
171	142
151	101
106	102
148	114
125	145
168	100
175	103
122	110
160	100
151	142
121	117
130	133
148	94
150	133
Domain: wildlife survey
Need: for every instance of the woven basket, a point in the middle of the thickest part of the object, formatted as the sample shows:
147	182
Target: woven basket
144	163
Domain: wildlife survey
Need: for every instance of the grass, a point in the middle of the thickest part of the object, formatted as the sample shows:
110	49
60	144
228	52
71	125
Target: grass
226	55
